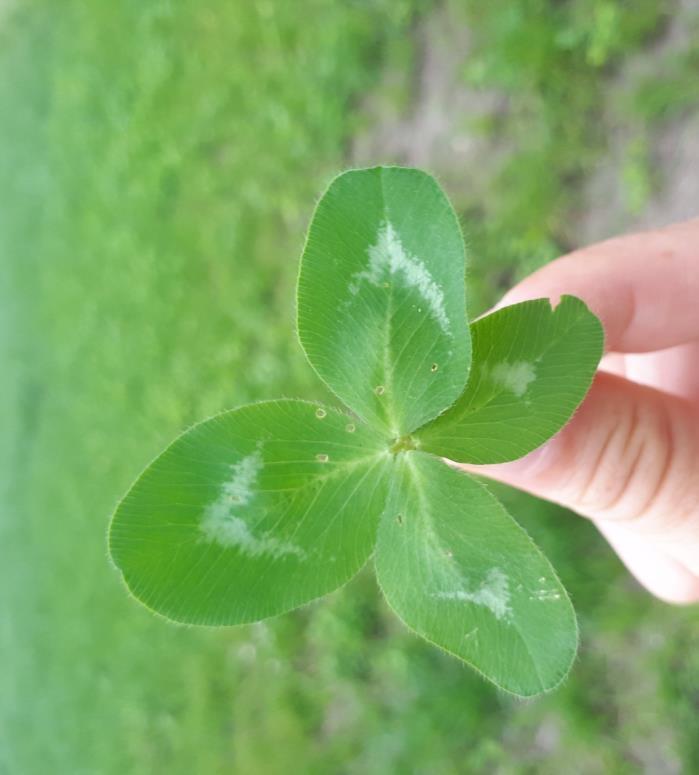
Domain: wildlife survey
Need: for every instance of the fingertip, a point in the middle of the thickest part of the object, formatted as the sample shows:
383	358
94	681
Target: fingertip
643	287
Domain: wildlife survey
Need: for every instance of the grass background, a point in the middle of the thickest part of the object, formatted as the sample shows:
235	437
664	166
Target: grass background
158	164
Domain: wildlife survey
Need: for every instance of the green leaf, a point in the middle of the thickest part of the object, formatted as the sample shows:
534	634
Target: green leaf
532	366
252	513
460	572
381	297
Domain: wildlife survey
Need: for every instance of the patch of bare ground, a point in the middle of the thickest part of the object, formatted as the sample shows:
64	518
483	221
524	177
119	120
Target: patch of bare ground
673	149
436	130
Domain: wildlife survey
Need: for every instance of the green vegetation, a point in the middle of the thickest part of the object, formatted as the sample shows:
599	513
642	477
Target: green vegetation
157	160
264	508
556	63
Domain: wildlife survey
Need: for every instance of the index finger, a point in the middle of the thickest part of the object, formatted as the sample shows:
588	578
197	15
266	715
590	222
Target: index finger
644	287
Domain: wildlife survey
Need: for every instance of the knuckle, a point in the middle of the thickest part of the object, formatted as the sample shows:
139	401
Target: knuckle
628	461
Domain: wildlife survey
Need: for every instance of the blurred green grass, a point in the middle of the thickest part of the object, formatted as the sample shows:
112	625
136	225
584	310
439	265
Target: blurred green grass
159	165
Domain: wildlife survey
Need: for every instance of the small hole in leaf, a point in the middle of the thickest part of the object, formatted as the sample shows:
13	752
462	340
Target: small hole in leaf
321	457
350	427
434	367
379	390
320	413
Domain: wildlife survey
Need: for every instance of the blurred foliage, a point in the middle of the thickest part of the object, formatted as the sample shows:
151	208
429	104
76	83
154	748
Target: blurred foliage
159	162
553	62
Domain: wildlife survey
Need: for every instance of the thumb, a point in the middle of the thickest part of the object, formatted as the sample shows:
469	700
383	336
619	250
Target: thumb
628	460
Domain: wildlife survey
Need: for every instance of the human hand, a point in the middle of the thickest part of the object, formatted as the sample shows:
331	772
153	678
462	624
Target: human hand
629	458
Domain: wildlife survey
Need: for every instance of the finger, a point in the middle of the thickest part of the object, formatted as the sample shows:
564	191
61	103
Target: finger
614	363
662	575
629	456
644	287
673	370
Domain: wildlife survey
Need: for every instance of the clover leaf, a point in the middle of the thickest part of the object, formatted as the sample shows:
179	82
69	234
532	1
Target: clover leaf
266	507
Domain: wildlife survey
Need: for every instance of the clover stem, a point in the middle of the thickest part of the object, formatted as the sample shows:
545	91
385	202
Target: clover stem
403	444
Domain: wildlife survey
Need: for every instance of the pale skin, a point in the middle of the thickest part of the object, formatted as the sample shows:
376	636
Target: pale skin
629	458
